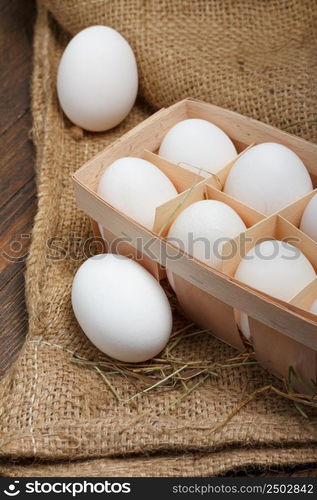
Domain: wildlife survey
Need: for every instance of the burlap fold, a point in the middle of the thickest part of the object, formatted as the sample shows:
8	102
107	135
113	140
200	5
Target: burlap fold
59	418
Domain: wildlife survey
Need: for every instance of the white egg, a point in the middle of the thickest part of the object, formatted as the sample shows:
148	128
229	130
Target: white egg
313	308
202	228
136	187
267	177
121	308
309	219
97	79
204	147
276	268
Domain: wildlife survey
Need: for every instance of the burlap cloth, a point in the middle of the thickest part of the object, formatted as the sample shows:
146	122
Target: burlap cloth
57	417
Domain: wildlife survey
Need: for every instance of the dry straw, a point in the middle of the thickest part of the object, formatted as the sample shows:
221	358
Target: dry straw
168	370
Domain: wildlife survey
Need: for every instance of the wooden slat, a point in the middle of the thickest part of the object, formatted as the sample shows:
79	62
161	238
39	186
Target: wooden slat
18	200
16	33
17	160
13	320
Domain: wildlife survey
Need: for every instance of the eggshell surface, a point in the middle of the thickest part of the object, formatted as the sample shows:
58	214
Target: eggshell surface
202	228
136	187
202	146
276	268
121	308
268	177
309	218
97	79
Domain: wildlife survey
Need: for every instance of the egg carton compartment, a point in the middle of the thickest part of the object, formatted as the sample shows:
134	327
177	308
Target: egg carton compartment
275	350
306	297
221	292
294	212
274	227
166	213
203	189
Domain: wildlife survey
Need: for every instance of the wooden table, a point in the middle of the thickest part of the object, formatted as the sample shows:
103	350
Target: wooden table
18	194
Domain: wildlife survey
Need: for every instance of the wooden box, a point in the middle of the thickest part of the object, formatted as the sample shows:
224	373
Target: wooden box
284	334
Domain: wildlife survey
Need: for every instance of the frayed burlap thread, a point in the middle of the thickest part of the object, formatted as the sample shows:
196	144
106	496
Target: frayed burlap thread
59	418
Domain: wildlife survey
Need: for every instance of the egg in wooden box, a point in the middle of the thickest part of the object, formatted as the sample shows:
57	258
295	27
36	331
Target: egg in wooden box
201	229
276	268
268	177
198	145
136	187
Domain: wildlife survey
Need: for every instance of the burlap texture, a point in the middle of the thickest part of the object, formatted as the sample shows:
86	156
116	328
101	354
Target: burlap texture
60	418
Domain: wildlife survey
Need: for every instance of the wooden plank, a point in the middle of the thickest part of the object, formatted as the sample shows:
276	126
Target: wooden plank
13	321
18	199
17	157
15	231
16	32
